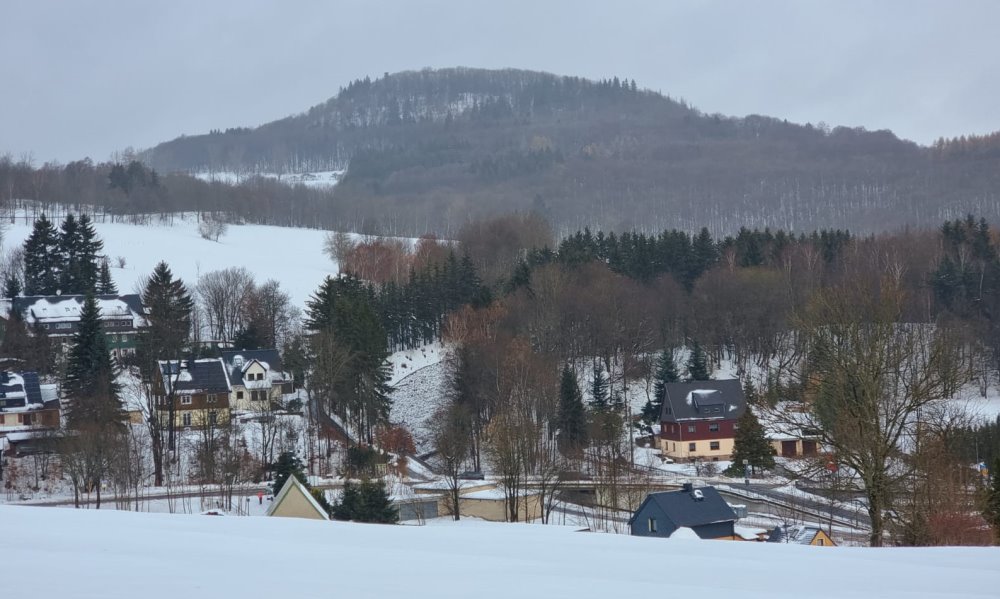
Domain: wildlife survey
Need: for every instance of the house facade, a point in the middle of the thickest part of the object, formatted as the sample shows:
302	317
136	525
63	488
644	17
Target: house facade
58	316
257	379
701	510
698	420
26	409
198	390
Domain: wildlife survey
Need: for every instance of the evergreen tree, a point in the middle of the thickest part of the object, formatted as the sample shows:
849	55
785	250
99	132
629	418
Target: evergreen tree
168	318
572	417
106	285
41	259
599	389
666	372
751	444
70	271
697	364
11	286
90	246
367	502
287	464
90	388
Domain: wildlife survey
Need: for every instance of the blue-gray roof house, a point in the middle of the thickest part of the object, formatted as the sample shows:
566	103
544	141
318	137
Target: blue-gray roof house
702	510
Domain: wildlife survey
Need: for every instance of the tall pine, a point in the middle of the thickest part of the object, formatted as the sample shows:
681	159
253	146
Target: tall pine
106	285
697	364
666	372
168	318
41	259
572	416
88	251
599	389
90	388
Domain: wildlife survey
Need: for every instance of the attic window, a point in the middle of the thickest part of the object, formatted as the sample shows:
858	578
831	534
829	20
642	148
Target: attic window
651	524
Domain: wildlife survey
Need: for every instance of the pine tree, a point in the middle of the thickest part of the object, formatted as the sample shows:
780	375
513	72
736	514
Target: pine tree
287	464
89	386
367	502
88	250
697	365
751	444
11	286
41	259
599	389
666	372
572	417
68	250
106	285
168	318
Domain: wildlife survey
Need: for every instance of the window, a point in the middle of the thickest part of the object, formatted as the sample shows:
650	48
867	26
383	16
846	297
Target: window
819	541
239	395
258	395
185	400
692	428
260	376
186	419
63	325
213	417
713	428
692	446
714	445
651	524
210	397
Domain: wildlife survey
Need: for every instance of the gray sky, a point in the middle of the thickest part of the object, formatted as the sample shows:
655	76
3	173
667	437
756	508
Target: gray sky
82	78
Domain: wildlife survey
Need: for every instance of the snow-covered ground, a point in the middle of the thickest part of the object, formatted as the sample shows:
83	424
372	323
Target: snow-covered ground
112	554
420	379
294	257
311	179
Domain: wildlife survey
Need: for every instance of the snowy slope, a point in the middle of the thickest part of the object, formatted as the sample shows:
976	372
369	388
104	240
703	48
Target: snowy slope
419	380
118	554
292	256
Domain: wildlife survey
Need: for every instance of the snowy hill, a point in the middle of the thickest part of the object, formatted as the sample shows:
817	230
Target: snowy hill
292	256
120	554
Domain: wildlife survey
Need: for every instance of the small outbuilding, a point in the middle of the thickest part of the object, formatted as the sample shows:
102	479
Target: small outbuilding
801	535
295	501
702	510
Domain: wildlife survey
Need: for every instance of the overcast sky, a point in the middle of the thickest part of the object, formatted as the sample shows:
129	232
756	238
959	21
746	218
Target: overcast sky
84	78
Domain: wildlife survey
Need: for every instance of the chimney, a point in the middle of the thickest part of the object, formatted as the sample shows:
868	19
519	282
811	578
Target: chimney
687	488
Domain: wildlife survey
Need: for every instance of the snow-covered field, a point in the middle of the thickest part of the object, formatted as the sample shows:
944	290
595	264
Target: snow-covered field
117	554
292	256
311	179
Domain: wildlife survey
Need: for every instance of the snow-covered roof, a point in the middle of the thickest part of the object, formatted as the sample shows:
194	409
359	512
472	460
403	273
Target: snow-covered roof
67	308
207	375
703	400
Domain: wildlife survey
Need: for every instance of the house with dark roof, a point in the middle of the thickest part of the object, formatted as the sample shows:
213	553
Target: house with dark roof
257	379
24	408
58	316
801	535
701	510
698	419
198	391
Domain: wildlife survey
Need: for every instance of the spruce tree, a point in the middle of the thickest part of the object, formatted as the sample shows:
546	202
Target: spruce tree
89	248
599	389
41	259
69	245
106	285
287	464
90	388
11	286
168	318
751	444
666	372
697	365
572	417
367	502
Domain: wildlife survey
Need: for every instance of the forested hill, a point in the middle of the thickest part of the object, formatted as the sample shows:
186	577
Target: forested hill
425	150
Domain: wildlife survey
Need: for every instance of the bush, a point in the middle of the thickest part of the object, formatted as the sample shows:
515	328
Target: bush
367	502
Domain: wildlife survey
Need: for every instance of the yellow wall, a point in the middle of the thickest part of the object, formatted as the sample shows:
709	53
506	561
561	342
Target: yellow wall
199	418
823	539
679	449
495	510
295	505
